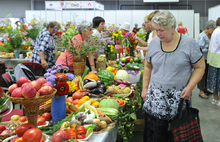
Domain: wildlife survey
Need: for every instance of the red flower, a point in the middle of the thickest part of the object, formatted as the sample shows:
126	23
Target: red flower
127	48
131	39
62	88
124	33
59	33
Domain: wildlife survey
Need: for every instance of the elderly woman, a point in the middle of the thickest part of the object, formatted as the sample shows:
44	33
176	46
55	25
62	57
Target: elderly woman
203	42
213	78
168	75
66	59
43	52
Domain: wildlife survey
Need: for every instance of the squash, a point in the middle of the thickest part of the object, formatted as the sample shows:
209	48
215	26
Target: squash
109	103
91	76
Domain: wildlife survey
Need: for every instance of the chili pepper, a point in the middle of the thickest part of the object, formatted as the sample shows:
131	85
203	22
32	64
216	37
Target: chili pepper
127	48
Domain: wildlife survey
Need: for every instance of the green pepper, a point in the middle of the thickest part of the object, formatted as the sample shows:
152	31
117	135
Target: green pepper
89	130
90	126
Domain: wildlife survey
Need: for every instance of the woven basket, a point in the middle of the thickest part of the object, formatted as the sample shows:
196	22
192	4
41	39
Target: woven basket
45	108
79	65
11	126
123	95
109	127
31	105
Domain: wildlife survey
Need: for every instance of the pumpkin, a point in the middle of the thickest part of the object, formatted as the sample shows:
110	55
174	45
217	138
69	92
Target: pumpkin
122	74
91	76
109	103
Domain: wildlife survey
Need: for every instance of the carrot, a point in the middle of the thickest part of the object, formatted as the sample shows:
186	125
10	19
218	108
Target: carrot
102	114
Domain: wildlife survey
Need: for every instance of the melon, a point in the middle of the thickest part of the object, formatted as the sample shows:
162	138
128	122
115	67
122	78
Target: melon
106	76
122	74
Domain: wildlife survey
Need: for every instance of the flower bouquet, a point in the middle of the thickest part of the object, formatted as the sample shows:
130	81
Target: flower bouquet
62	81
133	71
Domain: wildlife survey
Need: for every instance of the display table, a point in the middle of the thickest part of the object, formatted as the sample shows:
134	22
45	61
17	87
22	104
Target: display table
12	62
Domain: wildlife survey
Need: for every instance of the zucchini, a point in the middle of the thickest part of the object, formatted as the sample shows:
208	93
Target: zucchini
110	112
85	72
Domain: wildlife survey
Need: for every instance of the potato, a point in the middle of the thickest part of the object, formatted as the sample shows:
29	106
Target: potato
122	88
126	90
119	91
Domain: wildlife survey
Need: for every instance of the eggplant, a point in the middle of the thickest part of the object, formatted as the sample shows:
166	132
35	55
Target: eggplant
97	128
94	91
99	82
86	81
103	87
101	90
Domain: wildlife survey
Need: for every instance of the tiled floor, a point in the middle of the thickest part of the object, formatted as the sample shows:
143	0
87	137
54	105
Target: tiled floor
209	119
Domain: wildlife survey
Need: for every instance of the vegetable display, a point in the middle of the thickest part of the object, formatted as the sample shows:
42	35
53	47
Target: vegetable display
106	76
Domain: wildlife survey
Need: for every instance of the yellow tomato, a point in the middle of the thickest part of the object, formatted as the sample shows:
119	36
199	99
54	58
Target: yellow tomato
95	103
86	98
109	68
81	101
92	101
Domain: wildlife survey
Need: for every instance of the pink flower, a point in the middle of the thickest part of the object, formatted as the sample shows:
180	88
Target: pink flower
117	47
117	41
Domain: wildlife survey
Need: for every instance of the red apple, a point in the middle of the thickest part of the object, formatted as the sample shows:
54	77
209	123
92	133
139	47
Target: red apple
21	80
45	90
36	84
29	91
12	87
47	84
42	80
17	93
27	83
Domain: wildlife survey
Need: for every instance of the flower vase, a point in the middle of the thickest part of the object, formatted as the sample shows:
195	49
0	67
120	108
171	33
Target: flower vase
16	51
58	108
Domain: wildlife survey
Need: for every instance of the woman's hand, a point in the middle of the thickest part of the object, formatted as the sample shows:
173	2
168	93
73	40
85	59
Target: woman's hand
186	93
138	49
134	37
94	72
44	64
143	94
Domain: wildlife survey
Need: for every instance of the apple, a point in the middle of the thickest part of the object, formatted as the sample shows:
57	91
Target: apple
36	84
15	117
21	80
12	87
47	84
17	93
42	80
45	90
2	128
29	91
6	131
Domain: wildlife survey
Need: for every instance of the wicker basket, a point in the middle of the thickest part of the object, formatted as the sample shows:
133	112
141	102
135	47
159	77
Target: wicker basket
109	127
122	95
45	108
79	65
31	105
11	126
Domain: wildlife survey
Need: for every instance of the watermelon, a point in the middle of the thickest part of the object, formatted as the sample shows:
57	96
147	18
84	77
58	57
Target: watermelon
106	76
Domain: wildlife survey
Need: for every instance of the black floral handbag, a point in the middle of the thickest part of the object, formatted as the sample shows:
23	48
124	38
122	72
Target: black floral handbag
185	125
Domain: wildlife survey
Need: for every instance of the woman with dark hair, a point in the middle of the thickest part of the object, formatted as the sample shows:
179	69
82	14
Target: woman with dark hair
98	25
213	79
43	52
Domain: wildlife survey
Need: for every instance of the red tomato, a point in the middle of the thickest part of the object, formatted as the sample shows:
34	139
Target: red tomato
38	116
47	116
59	136
77	95
81	136
23	128
22	119
72	133
75	102
81	130
132	33
41	121
33	135
121	102
17	139
69	99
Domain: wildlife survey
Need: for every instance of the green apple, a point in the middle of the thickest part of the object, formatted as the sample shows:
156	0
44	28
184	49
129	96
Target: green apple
131	61
15	117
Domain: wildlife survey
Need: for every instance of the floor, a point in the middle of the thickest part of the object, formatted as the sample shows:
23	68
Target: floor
209	119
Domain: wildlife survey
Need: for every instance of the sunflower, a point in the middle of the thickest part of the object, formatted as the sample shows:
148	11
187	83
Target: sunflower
62	88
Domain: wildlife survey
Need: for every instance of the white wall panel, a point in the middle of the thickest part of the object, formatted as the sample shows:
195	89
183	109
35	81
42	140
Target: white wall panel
66	16
58	16
78	16
89	15
110	16
196	25
124	16
51	15
214	13
138	17
43	15
30	14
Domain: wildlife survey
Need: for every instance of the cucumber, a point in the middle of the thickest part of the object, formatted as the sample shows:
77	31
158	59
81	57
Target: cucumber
85	72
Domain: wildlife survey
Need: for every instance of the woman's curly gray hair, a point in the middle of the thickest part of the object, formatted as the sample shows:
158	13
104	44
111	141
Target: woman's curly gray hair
83	26
211	24
165	19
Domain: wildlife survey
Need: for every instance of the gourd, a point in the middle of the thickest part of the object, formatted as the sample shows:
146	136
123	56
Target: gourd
110	112
109	103
122	74
91	76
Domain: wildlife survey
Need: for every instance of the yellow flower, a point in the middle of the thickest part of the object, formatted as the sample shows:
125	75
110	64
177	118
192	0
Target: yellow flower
113	25
3	20
3	28
116	35
72	27
8	27
109	45
71	86
111	49
118	31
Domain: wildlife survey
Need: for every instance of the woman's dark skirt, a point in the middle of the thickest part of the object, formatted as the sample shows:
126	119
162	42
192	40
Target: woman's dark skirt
155	130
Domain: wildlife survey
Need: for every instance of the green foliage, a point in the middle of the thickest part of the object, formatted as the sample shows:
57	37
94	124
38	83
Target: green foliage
32	33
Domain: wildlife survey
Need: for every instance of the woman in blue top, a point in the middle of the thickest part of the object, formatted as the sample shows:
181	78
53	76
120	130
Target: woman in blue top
168	75
203	43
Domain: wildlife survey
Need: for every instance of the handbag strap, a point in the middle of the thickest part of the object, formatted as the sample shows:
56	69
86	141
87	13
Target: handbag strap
180	108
